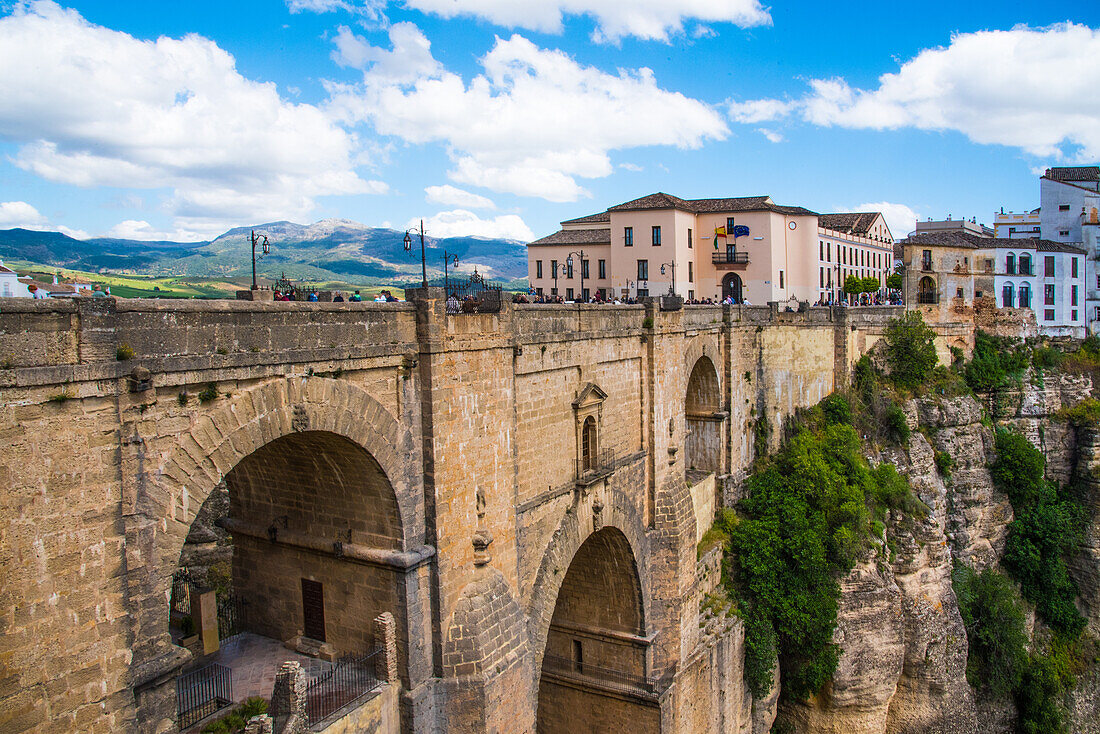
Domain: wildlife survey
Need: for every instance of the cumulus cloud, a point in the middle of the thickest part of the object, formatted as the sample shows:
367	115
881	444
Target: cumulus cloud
448	195
771	135
410	59
533	122
21	215
463	223
1029	88
615	19
134	229
91	106
901	219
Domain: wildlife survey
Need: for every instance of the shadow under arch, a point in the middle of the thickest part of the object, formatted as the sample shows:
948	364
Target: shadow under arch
596	645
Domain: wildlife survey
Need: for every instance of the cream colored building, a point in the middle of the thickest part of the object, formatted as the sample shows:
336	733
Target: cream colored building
748	248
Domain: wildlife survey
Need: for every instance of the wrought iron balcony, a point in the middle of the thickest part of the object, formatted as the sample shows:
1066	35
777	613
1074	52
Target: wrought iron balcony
928	298
730	258
592	468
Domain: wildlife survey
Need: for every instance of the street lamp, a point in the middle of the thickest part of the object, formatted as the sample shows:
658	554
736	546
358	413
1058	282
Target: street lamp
423	257
569	263
448	260
264	249
672	285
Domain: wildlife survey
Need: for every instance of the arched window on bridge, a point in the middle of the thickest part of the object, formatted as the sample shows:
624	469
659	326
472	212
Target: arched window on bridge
589	444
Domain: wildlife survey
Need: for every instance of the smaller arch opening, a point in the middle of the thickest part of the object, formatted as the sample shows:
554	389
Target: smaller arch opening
926	291
589	444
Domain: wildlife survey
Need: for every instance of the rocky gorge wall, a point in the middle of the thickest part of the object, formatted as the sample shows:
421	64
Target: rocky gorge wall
903	665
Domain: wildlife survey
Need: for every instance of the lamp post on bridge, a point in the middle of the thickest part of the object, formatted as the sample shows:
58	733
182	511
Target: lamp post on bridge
423	256
264	249
569	263
671	285
448	260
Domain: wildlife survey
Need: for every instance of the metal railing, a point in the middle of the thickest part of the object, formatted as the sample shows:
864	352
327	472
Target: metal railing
729	258
181	592
602	677
201	693
231	615
472	295
349	681
600	464
928	298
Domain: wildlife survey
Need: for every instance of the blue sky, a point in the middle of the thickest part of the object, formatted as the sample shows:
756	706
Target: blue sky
495	117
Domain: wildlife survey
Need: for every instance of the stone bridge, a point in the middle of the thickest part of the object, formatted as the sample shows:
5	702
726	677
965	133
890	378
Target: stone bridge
524	492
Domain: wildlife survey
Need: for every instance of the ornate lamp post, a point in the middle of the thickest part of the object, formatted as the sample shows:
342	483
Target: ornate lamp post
264	249
569	263
672	285
423	257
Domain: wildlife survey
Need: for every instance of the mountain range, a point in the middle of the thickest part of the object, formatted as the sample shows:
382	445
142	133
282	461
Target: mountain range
328	250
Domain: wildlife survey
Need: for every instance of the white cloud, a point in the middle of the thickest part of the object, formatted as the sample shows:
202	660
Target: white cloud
533	122
410	59
1028	88
463	223
448	195
90	106
369	8
133	229
759	110
21	215
634	167
615	19
771	135
901	219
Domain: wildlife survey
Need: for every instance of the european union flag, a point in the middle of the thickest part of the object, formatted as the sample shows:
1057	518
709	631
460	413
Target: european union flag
740	230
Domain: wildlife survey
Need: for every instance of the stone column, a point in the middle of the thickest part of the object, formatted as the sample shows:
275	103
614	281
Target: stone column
385	637
288	699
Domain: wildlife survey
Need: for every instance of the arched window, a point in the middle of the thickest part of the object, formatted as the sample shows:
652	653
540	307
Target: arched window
1025	264
1008	296
1010	264
926	291
1025	296
588	444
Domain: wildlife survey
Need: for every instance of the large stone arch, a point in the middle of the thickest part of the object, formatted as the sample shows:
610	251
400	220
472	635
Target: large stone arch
703	416
580	522
179	472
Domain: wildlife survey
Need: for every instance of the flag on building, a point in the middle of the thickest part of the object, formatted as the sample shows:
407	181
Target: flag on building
740	231
719	232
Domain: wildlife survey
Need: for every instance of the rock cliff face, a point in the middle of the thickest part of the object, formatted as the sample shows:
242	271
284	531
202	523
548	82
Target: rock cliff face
903	667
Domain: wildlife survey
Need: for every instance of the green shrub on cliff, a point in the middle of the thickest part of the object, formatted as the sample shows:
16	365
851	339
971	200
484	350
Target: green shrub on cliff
1049	525
806	520
995	360
995	630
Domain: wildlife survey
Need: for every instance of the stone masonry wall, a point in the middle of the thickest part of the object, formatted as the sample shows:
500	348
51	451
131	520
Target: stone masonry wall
468	419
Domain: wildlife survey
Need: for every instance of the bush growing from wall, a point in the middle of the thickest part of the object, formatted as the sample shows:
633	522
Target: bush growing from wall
995	630
910	351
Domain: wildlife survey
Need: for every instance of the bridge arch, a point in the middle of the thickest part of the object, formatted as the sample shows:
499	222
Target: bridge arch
702	411
321	506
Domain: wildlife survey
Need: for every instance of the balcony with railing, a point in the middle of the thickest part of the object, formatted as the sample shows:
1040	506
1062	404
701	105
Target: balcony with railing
597	677
731	260
928	298
594	467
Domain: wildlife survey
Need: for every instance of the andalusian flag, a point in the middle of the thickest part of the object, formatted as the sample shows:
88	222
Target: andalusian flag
719	232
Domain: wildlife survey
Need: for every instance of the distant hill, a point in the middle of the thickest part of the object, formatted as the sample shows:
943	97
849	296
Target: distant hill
332	249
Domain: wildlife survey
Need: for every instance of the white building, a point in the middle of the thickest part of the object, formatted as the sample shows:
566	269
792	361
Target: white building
1069	200
1046	276
1016	225
10	284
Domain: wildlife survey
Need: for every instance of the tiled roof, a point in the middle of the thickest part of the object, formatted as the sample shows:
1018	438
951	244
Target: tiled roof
950	238
661	200
1051	246
1073	173
974	242
577	237
858	223
590	219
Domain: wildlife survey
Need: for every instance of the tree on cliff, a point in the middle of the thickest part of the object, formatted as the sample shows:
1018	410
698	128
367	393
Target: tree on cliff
910	351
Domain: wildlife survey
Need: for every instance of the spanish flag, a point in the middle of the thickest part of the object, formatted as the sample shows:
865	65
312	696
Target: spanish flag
719	232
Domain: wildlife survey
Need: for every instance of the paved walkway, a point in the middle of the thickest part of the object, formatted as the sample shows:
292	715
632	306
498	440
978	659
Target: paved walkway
254	661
